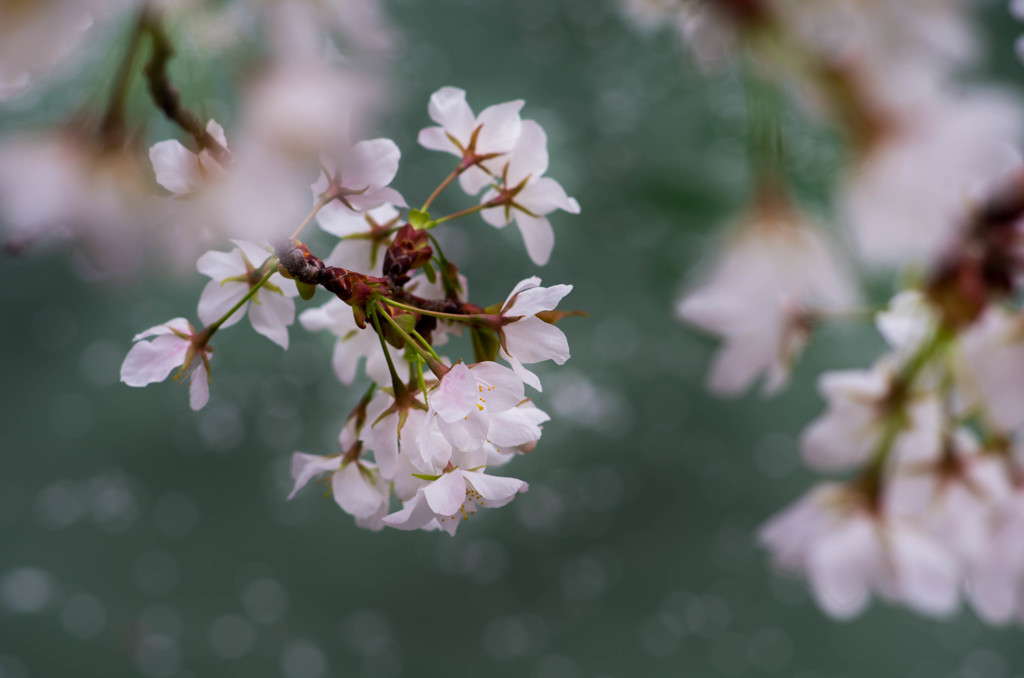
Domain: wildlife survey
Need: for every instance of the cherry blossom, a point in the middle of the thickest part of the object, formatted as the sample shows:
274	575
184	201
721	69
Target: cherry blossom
479	141
862	404
183	172
360	175
775	274
988	374
176	344
848	551
525	338
357	485
527	195
452	498
467	398
271	310
954	496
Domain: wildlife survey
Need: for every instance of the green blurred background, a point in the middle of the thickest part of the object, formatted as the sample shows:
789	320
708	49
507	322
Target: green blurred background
140	538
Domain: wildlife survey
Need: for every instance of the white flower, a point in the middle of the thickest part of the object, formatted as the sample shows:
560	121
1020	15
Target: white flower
906	198
354	344
996	581
357	484
103	202
183	172
478	140
847	551
988	374
453	498
529	195
359	180
403	437
760	295
176	345
271	310
954	496
35	36
525	338
361	253
861	405
908	322
467	398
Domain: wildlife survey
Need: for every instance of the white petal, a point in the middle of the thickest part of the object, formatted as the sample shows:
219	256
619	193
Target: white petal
199	388
545	195
446	494
271	314
371	164
928	576
498	389
448	108
307	466
217	299
841	566
151	361
220	265
414	515
500	127
467	433
176	324
514	427
531	340
530	157
453	397
355	493
495	490
435	139
537	299
176	167
538	237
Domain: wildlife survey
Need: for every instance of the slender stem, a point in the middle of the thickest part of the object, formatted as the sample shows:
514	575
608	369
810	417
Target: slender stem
396	382
419	378
212	327
437	314
440	189
428	356
467	211
167	97
426	345
309	217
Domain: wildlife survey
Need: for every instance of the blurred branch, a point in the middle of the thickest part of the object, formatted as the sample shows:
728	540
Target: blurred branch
167	97
111	129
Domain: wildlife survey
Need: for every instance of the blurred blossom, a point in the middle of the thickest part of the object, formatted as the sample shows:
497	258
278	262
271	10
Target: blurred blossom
777	271
59	187
907	194
36	34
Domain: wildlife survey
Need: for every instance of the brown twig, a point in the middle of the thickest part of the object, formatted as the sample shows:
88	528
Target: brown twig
167	97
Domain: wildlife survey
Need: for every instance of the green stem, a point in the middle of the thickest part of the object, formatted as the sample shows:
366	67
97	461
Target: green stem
428	356
467	211
426	345
212	327
396	382
437	314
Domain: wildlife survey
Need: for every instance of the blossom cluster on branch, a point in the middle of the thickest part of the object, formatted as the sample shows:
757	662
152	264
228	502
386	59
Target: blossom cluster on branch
431	428
928	442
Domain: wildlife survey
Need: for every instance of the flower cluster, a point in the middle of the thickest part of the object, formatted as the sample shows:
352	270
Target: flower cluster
428	430
928	441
